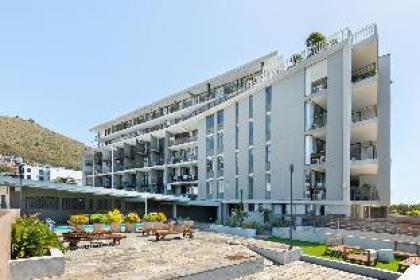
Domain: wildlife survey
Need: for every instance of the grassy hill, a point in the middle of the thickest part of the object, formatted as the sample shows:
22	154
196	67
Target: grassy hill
37	144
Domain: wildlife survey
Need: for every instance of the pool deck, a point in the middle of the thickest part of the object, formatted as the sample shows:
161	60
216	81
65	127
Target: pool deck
141	257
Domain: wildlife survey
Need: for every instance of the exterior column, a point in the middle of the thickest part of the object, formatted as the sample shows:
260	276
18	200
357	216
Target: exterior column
174	211
112	166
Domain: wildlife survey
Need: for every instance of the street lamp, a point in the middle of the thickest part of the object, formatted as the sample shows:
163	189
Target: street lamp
291	167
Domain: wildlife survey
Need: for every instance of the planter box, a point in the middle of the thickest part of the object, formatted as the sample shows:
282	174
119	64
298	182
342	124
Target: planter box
368	271
244	232
37	267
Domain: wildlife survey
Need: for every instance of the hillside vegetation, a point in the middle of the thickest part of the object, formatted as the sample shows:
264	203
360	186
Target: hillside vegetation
37	144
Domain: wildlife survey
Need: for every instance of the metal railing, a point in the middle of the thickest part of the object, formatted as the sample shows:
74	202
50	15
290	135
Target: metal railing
366	113
364	72
183	140
319	121
319	85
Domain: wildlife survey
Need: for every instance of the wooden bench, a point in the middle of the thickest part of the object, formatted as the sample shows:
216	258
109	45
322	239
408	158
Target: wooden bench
403	265
334	245
73	238
359	255
404	254
173	230
151	227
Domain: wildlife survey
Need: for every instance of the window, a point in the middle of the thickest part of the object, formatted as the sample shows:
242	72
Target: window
28	169
221	188
251	133
237	136
268	127
210	124
73	203
267	186
3	202
28	177
250	187
220	142
209	167
251	161
209	192
236	112
251	107
236	188
236	163
268	157
42	202
220	166
220	119
268	99
210	145
251	207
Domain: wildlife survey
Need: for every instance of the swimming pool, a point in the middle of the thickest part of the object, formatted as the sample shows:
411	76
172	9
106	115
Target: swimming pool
88	228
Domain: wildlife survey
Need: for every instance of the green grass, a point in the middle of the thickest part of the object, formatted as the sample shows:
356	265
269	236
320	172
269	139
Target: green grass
318	250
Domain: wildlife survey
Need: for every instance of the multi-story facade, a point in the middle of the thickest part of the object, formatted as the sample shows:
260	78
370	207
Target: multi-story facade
232	139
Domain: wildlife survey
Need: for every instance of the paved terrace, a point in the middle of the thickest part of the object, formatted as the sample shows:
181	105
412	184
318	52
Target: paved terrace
141	257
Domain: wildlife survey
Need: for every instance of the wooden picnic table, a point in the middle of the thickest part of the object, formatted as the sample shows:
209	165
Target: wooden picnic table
184	230
403	265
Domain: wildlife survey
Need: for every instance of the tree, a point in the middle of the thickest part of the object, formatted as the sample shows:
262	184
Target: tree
314	38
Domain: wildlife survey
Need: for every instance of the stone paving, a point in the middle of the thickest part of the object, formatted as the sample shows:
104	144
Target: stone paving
141	257
302	271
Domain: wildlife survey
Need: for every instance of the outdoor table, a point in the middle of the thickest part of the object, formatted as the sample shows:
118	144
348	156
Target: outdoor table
408	262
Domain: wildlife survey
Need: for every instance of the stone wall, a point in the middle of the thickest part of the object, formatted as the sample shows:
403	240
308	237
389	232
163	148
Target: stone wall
6	219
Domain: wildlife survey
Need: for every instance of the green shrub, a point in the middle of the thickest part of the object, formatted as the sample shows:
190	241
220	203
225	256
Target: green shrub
32	238
98	218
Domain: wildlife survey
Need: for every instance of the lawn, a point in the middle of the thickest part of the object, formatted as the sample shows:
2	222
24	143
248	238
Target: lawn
318	250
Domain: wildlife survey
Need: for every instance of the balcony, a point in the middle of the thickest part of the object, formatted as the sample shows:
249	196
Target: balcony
319	85
363	151
183	159
364	72
319	121
183	140
316	191
183	178
366	113
366	192
318	158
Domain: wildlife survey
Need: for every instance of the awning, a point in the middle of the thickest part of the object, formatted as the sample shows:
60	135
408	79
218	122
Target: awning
48	185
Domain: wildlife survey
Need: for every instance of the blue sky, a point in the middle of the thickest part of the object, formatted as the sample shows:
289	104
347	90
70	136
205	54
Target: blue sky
72	64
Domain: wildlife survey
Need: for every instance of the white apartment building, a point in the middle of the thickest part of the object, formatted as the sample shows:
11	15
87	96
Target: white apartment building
49	173
231	139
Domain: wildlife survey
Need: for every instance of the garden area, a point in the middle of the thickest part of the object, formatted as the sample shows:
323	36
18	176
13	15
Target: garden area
319	249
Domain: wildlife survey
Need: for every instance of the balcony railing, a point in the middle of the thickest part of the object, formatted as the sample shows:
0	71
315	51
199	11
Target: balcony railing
183	140
363	151
316	192
175	160
256	80
369	112
318	158
364	193
183	178
319	85
364	72
319	121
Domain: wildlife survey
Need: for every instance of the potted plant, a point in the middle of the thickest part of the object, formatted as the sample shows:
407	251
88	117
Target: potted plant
98	221
78	222
115	218
130	222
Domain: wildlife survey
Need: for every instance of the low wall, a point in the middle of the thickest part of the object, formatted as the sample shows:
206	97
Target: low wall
233	271
353	268
7	217
37	267
278	256
244	232
350	238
